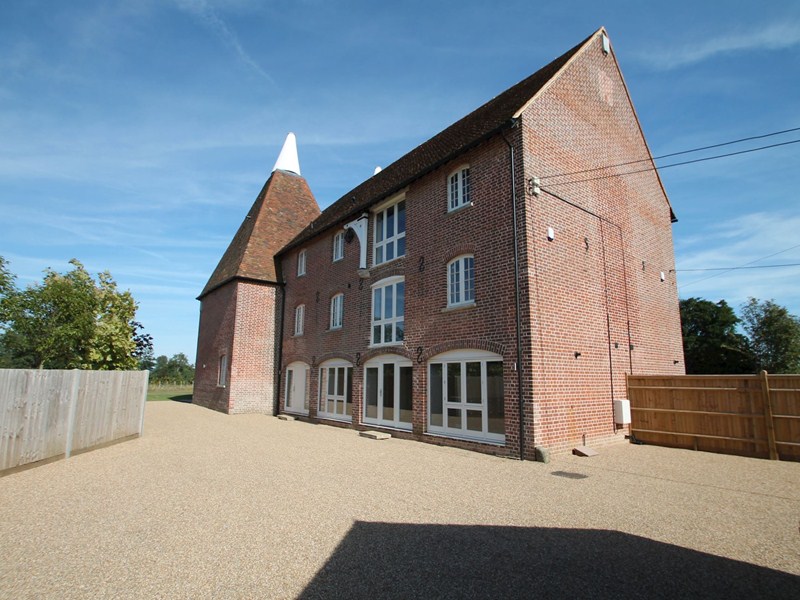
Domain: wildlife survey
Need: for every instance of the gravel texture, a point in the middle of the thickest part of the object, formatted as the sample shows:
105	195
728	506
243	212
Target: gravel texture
205	505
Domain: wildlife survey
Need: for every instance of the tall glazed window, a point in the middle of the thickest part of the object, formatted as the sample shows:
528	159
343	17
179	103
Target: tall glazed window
388	312
389	240
465	395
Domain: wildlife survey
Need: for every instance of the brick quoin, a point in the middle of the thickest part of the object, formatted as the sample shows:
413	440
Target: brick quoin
593	305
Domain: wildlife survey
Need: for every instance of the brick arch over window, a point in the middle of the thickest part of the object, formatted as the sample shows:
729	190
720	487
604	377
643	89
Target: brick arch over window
392	270
467	344
331	355
398	350
288	359
458	250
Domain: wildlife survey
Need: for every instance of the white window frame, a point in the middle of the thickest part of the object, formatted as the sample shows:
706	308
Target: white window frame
337	311
299	319
378	317
222	374
338	368
338	247
379	363
458	188
388	240
460	287
291	376
459	404
301	263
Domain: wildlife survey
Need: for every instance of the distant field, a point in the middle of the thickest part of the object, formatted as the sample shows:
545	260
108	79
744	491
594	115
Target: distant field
178	393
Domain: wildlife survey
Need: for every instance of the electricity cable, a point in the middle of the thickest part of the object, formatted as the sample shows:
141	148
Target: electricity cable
633	162
678	164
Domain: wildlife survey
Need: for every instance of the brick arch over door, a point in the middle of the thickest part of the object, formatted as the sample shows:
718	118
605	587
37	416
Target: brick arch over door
466	344
330	356
288	359
398	350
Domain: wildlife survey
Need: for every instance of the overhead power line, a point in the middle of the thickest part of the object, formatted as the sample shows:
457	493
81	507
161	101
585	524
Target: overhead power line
739	267
634	162
678	164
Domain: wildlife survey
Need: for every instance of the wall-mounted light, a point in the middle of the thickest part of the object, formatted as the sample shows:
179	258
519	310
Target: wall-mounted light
577	354
551	234
663	277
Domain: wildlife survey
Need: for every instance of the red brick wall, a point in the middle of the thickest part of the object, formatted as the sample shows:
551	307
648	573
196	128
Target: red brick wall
253	359
585	291
215	337
588	284
238	319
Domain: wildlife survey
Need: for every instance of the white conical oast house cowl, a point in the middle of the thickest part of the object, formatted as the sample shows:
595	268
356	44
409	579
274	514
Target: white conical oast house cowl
287	159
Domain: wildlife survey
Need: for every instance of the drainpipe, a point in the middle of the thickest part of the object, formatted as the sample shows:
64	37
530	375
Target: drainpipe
276	401
517	293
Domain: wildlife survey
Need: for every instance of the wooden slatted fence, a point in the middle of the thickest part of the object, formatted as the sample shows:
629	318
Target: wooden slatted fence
750	415
46	414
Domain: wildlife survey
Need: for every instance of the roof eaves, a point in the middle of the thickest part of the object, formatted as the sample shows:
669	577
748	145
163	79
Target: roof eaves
224	282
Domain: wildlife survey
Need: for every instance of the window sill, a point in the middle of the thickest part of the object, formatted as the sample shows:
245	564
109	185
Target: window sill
388	345
451	211
457	307
467	437
383	425
386	262
337	418
332	329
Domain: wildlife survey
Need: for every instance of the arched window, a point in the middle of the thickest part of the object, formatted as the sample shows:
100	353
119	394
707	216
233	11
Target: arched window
337	311
338	246
299	319
461	281
458	188
388	311
465	395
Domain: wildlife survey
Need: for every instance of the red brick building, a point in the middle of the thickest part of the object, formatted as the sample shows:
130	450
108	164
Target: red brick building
490	289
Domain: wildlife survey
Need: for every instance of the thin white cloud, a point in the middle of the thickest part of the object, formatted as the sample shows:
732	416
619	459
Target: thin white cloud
776	36
204	11
754	239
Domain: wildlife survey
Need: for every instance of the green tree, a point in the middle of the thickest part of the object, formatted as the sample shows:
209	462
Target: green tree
67	321
710	341
144	347
774	336
176	370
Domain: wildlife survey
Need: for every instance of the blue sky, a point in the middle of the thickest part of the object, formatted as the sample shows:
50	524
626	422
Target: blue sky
134	135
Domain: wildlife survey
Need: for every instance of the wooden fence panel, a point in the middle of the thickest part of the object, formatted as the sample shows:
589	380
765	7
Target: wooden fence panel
785	400
49	413
750	415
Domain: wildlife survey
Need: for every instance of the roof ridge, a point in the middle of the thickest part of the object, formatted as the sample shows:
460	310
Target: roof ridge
483	122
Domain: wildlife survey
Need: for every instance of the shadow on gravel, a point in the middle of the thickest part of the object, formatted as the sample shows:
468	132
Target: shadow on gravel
389	560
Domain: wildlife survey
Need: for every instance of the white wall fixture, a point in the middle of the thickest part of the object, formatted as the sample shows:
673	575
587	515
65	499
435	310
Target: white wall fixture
551	234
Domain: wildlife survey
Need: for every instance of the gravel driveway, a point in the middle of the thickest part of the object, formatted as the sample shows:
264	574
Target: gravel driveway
206	505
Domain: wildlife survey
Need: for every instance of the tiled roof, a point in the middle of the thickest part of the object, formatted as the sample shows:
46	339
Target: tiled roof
477	126
284	206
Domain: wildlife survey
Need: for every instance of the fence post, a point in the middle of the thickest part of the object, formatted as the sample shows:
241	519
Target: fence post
773	450
73	409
